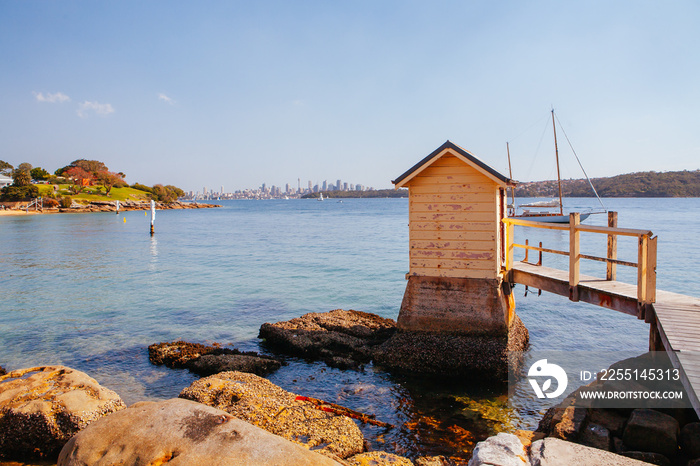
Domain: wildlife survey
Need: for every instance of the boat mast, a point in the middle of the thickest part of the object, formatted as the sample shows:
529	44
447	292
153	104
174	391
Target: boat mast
510	173
556	151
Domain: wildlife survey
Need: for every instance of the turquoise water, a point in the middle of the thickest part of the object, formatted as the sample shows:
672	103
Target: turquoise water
92	291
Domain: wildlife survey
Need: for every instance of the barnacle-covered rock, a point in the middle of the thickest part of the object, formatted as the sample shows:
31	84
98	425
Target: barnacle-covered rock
340	338
42	407
264	404
454	356
207	360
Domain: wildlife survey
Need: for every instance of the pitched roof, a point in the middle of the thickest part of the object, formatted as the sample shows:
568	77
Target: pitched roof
466	156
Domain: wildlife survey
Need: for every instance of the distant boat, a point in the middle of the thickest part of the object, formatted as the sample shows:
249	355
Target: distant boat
320	198
548	216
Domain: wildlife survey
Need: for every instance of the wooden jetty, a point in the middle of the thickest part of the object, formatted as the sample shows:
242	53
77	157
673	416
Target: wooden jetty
674	318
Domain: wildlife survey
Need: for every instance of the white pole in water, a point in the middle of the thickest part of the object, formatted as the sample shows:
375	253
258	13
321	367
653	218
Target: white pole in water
153	214
117	207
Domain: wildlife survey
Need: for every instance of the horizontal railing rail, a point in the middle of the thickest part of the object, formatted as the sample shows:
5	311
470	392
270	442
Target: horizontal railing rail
646	251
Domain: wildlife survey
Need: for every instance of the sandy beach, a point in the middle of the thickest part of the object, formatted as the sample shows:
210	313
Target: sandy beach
9	212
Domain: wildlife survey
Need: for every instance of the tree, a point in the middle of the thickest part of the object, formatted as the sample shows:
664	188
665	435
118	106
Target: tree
39	173
18	193
79	177
26	167
166	194
6	168
21	178
110	179
90	166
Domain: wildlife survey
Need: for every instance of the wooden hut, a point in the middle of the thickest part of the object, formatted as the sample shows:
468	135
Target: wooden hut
457	246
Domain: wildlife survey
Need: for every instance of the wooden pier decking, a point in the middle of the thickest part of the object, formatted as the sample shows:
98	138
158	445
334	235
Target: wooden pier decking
674	318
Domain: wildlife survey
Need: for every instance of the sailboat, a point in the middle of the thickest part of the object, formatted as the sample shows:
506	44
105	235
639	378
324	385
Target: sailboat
320	198
546	211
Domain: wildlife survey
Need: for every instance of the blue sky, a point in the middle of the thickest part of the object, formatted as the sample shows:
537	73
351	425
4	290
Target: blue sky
240	93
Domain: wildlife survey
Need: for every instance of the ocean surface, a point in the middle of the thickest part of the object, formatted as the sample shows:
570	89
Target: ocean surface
92	291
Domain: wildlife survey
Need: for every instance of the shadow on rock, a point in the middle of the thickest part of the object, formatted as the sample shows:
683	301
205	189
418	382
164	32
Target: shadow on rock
207	360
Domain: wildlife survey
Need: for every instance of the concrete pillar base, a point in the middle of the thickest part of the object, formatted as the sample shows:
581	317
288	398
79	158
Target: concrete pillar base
465	306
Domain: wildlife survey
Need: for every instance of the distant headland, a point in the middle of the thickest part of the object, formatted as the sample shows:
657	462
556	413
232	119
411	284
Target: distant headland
641	184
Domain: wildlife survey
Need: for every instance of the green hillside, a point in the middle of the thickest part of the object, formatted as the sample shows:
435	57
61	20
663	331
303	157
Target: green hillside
95	193
642	184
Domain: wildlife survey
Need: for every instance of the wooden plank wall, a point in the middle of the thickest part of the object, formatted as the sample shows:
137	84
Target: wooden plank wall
453	222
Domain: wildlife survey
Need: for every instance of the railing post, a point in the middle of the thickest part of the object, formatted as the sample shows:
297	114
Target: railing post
574	254
642	269
651	270
612	247
510	240
527	251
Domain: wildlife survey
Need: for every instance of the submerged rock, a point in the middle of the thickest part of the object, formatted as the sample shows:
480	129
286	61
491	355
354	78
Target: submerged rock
264	404
42	407
378	458
207	360
340	338
181	432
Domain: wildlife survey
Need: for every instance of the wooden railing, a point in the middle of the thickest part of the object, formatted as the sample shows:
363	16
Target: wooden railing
646	254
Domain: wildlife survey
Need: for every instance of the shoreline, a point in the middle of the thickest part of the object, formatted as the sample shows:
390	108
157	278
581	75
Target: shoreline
106	206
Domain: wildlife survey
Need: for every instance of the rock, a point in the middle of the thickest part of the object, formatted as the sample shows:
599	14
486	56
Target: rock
181	432
690	439
433	461
2	371
260	402
556	452
568	423
648	457
453	356
527	437
378	458
207	360
340	338
177	354
611	420
596	436
502	450
42	407
649	430
214	363
695	462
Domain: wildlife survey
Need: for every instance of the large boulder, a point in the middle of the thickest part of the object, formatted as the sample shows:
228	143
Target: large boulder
340	338
690	439
556	452
264	404
207	360
42	407
502	449
181	432
649	430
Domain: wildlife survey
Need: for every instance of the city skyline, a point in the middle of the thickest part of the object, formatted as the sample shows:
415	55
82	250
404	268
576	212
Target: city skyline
274	191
